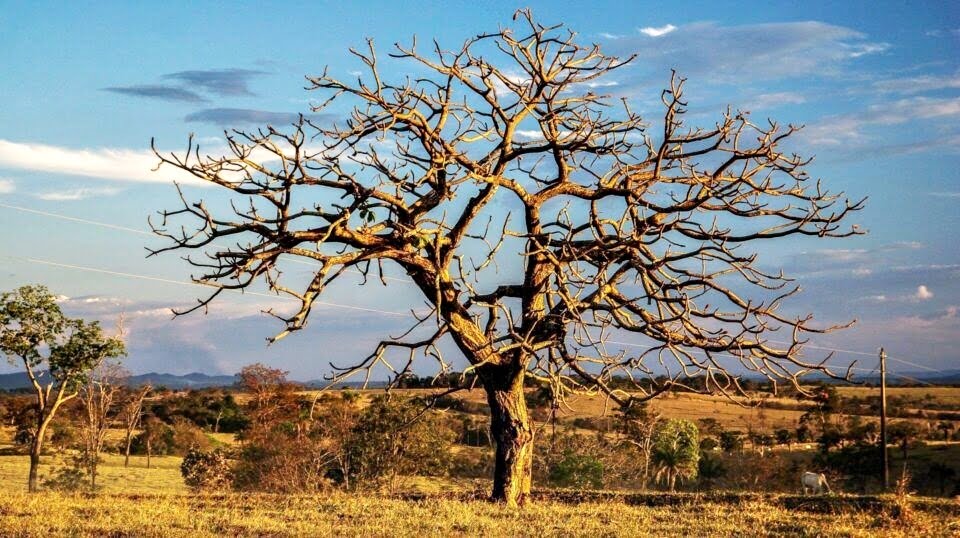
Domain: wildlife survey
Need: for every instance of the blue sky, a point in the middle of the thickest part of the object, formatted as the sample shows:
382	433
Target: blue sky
86	85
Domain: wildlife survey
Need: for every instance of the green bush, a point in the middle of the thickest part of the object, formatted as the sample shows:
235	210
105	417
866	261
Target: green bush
578	471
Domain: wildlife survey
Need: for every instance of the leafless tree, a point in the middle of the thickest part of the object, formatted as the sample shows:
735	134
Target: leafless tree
98	397
499	149
637	426
131	413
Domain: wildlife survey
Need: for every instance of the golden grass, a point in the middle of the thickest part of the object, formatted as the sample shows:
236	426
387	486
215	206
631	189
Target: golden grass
136	501
162	477
338	514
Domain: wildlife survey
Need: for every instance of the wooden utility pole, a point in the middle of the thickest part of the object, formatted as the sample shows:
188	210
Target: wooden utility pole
883	420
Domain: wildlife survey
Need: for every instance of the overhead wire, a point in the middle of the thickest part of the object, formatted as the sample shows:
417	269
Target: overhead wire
186	283
337	305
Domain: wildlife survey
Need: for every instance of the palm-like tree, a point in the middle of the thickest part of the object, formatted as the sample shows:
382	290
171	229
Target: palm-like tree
676	451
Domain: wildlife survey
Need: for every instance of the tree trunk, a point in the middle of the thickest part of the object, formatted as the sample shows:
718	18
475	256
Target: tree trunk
512	432
126	451
34	466
35	448
148	452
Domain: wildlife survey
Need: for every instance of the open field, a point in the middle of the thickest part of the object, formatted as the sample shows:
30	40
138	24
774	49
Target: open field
372	515
945	396
732	414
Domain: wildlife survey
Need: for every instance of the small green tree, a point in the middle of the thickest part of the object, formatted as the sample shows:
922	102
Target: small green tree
57	354
676	451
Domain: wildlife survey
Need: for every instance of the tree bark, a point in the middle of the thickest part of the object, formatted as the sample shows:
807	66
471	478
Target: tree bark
35	448
34	466
512	432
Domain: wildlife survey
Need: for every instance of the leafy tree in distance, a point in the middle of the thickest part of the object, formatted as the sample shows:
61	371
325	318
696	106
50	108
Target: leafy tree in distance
57	354
676	451
500	150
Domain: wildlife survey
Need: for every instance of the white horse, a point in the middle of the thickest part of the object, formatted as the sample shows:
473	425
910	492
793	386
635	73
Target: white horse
815	483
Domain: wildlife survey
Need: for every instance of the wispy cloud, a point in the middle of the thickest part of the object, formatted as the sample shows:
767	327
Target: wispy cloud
82	193
156	91
918	84
863	49
754	52
106	163
222	82
847	129
232	82
939	32
7	186
765	101
945	194
232	117
658	31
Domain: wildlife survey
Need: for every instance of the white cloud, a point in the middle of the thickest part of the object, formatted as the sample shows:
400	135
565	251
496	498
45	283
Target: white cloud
607	84
864	49
923	293
772	100
945	194
77	194
940	33
918	84
105	163
7	186
657	32
608	35
848	129
749	52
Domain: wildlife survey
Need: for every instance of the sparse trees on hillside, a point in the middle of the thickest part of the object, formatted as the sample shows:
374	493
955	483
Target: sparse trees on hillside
57	354
502	149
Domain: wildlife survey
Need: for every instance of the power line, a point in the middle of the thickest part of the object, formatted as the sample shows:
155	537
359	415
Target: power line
151	234
305	262
76	219
185	283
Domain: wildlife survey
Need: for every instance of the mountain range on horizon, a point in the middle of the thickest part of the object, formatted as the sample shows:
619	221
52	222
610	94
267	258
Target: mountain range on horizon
199	380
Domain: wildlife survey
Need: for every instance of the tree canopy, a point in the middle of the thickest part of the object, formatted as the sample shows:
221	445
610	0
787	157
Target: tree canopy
502	150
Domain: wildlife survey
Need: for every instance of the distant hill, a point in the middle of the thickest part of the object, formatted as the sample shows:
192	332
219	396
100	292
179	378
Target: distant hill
945	377
195	380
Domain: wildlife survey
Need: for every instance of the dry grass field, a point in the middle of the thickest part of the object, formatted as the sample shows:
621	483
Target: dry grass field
336	514
946	396
137	501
